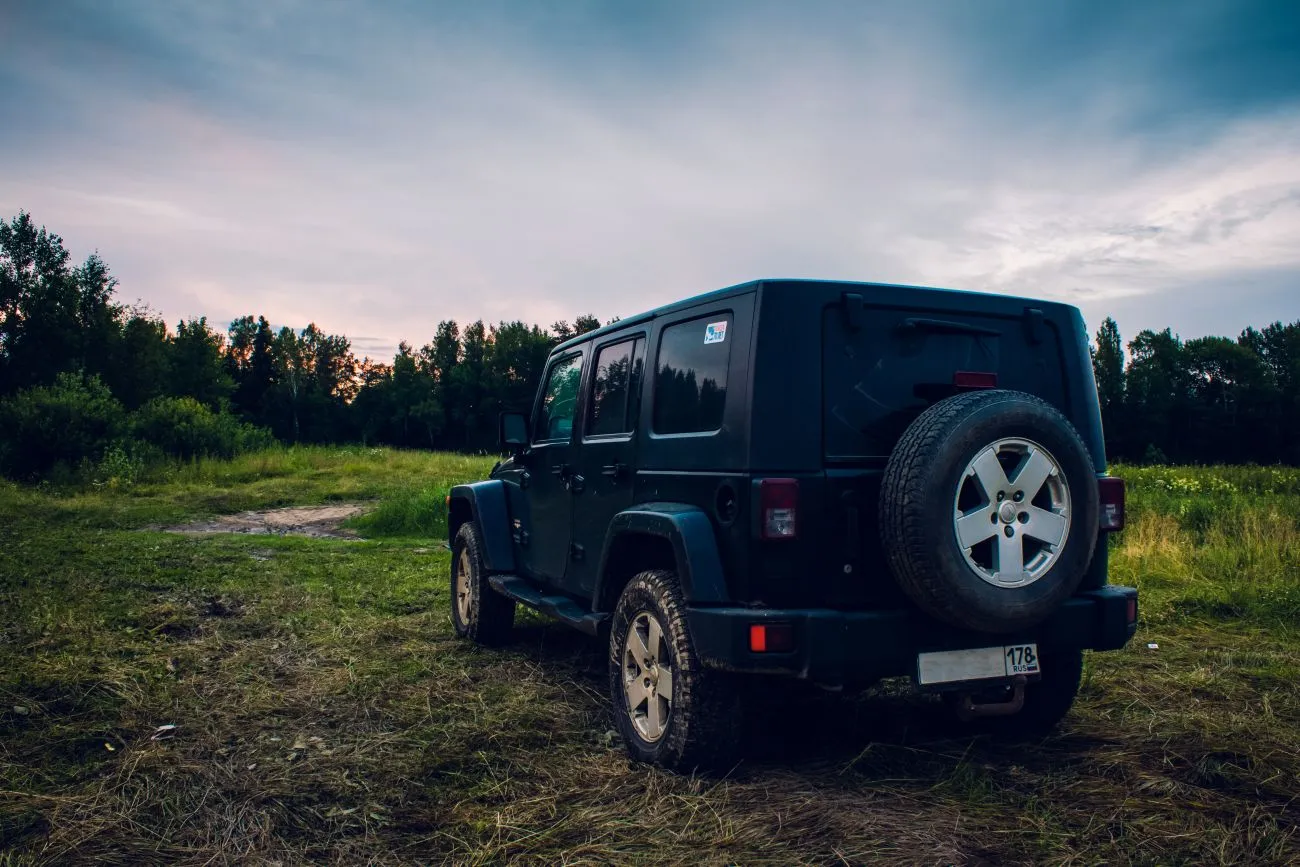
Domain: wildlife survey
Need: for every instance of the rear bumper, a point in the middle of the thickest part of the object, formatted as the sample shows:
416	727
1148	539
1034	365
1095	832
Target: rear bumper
839	647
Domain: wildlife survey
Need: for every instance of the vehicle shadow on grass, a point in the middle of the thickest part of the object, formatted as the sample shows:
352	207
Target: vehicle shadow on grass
888	730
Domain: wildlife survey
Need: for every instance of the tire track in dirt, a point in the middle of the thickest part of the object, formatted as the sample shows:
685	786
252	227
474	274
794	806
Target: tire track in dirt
317	522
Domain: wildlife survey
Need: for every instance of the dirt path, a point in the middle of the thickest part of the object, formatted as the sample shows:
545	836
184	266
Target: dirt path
320	522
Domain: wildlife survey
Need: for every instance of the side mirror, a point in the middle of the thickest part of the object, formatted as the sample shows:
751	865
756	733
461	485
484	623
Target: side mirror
513	431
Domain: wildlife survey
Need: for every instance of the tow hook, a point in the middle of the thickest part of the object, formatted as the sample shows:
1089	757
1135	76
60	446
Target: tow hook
969	709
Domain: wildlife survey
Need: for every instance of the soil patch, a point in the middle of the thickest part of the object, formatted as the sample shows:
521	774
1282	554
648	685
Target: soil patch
319	522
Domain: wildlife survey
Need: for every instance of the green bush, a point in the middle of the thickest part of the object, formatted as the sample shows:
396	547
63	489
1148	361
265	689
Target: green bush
124	463
184	428
57	427
74	431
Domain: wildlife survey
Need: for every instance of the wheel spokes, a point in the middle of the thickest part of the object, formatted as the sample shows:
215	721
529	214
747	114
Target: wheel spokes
1045	526
664	685
462	586
1027	509
647	678
1010	567
636	646
634	689
654	721
974	527
988	470
1033	473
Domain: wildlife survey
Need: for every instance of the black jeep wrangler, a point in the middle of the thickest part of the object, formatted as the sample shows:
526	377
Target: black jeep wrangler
836	482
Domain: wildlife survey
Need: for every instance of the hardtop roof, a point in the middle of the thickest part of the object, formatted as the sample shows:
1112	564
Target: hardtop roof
775	284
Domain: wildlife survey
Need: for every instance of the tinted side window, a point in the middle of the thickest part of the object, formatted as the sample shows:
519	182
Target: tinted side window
691	375
555	416
615	388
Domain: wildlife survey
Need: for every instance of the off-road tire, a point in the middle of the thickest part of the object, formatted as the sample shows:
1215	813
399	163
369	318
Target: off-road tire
703	731
1047	700
490	616
916	505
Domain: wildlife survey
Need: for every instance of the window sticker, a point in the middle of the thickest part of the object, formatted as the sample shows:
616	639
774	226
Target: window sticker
715	332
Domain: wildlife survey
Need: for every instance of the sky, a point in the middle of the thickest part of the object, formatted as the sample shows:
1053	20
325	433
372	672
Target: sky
375	167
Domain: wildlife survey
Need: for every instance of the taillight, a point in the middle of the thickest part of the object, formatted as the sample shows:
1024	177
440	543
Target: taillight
771	638
975	379
1112	503
779	506
1132	611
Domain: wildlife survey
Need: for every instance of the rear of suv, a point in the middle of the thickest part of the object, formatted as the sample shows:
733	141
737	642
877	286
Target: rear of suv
833	482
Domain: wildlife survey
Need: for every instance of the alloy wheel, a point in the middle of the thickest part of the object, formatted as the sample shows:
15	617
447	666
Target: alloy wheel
462	586
647	676
1011	513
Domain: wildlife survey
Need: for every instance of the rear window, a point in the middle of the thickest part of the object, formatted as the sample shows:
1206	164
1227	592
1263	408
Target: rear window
615	388
691	369
879	377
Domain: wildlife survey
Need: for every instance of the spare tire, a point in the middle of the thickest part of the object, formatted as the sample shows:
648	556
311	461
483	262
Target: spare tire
988	510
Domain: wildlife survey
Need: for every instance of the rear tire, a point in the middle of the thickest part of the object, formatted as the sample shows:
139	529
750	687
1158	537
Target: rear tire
1047	701
669	708
477	611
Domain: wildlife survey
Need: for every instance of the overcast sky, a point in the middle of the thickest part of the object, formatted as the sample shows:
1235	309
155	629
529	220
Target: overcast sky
378	166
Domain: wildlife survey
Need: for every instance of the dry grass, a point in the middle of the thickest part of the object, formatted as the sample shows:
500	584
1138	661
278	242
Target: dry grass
325	713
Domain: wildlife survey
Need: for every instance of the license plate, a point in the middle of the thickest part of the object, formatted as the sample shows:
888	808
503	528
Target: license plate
983	663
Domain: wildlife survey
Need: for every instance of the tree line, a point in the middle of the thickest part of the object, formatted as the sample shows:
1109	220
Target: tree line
90	386
1207	400
85	379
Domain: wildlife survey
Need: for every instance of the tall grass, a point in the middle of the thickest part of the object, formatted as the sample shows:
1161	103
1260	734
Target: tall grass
1217	541
325	712
414	512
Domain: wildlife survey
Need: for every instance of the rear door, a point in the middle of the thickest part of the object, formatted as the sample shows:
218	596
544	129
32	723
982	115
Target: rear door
607	455
880	370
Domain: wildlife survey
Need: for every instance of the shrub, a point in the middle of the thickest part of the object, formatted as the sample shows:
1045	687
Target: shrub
59	425
124	463
184	428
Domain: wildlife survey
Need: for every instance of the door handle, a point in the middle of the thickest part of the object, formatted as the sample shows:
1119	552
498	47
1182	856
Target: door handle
574	483
615	471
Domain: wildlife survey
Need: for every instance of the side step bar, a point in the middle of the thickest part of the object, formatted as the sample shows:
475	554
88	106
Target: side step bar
560	607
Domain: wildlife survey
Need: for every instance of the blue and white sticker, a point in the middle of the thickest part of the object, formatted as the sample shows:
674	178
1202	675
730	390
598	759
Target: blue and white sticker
715	332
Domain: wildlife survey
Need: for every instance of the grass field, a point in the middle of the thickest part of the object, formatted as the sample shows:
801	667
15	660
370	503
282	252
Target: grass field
324	712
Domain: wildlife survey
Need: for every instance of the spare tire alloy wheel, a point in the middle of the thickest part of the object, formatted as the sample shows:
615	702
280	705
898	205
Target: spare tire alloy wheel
647	677
988	510
1014	532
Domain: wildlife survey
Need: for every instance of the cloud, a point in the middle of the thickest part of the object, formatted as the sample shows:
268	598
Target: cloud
1230	205
377	171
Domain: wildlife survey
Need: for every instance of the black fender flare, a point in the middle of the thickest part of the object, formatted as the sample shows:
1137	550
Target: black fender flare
485	504
695	549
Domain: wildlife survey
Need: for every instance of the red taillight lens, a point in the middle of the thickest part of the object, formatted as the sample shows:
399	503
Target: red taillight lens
1132	611
779	507
1112	503
974	379
771	637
